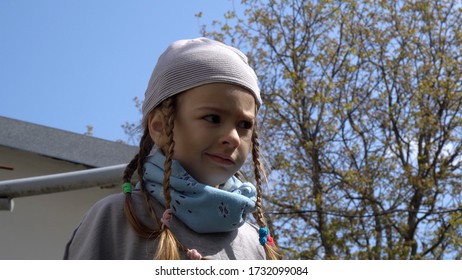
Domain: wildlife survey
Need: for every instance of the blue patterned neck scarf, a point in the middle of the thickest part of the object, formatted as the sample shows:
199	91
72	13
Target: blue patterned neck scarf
203	208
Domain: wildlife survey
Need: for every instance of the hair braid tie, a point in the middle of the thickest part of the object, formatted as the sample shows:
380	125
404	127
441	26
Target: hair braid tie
265	238
193	254
127	187
166	218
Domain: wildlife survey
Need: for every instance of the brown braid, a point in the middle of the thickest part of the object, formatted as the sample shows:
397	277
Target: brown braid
136	164
272	252
145	149
167	248
142	229
170	121
130	169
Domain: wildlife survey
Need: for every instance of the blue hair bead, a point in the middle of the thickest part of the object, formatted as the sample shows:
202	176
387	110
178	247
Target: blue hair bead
263	232
262	240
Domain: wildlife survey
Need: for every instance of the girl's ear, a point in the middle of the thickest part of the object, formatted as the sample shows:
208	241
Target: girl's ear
156	128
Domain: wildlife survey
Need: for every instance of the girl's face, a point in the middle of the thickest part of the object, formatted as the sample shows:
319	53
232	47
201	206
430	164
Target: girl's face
213	131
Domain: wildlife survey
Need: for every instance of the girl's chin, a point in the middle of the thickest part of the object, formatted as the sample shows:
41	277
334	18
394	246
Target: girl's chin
214	182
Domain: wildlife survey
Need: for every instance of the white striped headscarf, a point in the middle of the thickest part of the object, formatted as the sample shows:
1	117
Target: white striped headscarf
190	63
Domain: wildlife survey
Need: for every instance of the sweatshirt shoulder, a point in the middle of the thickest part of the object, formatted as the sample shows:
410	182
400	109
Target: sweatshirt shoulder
100	230
115	202
109	202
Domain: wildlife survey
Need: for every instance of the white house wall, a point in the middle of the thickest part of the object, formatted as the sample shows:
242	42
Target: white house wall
39	226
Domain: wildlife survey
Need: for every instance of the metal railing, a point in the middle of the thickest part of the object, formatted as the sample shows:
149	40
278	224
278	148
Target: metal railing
103	177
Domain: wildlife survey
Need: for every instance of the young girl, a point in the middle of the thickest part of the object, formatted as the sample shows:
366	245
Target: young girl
199	120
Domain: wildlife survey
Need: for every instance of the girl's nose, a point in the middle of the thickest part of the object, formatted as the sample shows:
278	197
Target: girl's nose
231	138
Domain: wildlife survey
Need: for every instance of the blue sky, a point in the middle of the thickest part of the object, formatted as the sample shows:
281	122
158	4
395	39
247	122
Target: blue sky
72	63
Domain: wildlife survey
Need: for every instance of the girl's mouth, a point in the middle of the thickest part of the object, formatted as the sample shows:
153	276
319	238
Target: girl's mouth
221	159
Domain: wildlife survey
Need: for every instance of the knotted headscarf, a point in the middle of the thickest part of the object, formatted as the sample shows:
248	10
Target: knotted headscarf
186	64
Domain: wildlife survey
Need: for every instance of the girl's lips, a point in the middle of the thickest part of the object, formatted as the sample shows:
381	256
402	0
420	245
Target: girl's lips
221	159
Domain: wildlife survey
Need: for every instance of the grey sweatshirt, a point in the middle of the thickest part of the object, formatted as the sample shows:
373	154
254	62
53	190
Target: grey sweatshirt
105	233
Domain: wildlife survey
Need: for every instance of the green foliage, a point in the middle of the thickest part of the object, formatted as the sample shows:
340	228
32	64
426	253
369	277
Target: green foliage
361	123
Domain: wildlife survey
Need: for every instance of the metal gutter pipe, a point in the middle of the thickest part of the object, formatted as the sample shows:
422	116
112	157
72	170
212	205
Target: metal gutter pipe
103	177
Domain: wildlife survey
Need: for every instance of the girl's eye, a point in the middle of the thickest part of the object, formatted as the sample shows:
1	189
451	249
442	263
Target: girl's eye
246	125
212	118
